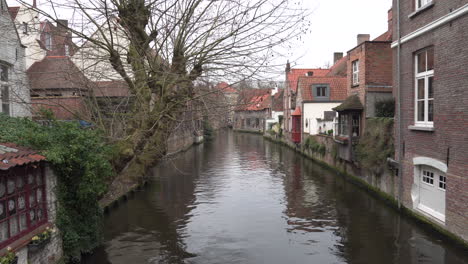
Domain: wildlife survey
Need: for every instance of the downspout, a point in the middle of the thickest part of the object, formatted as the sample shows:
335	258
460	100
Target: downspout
399	100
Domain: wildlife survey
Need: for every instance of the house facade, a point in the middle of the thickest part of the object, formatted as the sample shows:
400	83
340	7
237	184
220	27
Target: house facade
317	97
369	81
27	205
431	51
14	87
253	109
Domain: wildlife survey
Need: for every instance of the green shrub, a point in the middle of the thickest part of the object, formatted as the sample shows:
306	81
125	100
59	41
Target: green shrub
376	144
330	132
385	108
80	160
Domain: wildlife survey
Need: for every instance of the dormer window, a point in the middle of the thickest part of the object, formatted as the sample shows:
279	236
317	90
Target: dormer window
321	92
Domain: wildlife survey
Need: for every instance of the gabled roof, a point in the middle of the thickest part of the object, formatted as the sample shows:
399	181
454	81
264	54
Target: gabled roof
337	84
339	68
277	104
293	75
387	36
13	11
254	100
12	155
56	72
351	103
111	89
297	112
225	88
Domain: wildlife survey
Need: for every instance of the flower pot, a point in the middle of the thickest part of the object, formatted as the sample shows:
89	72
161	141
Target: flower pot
35	246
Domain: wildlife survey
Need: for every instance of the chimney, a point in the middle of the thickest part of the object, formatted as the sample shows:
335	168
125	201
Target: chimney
390	20
34	4
62	23
288	67
362	38
337	56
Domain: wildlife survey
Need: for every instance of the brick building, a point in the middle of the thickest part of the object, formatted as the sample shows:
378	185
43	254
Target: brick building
430	47
369	79
253	109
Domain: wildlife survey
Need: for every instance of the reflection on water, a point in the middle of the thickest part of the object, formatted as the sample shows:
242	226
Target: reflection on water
240	199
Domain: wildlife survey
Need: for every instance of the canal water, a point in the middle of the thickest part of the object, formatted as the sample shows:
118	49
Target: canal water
242	199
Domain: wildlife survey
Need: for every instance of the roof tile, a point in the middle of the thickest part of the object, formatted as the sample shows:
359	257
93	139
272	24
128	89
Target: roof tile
12	155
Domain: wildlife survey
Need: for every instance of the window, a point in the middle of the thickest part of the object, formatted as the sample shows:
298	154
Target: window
355	72
343	124
442	181
22	202
25	28
321	92
67	50
48	41
424	90
4	89
428	177
355	125
422	3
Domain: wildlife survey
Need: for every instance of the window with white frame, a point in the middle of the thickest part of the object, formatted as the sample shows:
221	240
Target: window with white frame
428	177
48	41
442	181
67	50
25	28
355	69
4	88
422	3
424	89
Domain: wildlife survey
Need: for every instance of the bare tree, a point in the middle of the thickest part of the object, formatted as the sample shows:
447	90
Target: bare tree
159	48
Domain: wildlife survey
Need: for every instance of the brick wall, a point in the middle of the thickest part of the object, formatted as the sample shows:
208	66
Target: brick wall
64	108
448	143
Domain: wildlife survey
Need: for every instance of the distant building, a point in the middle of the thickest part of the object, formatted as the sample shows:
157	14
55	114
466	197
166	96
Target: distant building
253	109
277	110
14	87
431	133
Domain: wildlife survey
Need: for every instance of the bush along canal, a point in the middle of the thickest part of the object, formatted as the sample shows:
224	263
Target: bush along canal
243	199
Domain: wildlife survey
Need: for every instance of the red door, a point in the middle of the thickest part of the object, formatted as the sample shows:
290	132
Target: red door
296	129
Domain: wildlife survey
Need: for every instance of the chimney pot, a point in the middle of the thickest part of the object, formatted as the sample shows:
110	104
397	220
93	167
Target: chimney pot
337	56
362	38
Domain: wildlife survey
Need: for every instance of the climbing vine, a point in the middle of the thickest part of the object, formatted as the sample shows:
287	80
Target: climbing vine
80	160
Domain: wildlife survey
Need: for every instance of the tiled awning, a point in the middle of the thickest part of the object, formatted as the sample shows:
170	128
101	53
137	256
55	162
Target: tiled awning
12	155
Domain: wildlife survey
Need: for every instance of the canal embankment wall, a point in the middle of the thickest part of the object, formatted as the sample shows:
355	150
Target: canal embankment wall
382	185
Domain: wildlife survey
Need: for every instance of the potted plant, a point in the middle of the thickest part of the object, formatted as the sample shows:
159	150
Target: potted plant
9	258
38	241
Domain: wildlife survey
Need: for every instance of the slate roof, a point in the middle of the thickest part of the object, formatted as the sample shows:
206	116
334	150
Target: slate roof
351	103
293	76
277	104
111	89
254	100
12	155
337	84
56	72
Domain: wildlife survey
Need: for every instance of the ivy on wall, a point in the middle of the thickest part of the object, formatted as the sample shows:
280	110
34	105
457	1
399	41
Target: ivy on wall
80	158
376	144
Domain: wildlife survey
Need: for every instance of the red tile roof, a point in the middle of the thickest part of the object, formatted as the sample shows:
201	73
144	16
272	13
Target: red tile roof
12	155
337	84
56	72
224	87
297	112
13	11
294	75
387	36
254	100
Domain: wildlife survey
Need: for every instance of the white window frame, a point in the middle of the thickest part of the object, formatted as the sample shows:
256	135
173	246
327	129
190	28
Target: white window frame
355	71
67	50
48	41
425	75
421	3
426	178
444	182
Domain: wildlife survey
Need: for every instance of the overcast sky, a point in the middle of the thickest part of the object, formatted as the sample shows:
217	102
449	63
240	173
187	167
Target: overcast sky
335	25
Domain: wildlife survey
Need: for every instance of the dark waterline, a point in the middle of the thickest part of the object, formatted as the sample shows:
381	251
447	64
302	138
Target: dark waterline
241	199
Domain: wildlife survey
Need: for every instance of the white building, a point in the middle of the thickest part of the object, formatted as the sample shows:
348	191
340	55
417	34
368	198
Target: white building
14	88
317	96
